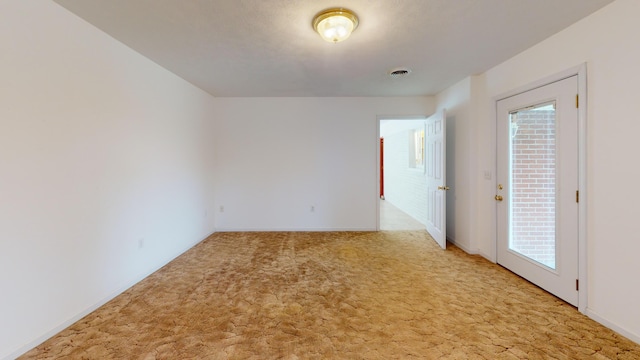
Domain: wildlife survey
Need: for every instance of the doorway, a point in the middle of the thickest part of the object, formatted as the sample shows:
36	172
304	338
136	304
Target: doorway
538	183
402	201
412	172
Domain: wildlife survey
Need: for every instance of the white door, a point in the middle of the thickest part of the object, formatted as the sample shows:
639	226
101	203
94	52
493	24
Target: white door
435	170
537	184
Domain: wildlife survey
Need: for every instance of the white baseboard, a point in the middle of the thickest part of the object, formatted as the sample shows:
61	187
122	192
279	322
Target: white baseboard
487	256
464	248
613	326
469	250
295	230
40	339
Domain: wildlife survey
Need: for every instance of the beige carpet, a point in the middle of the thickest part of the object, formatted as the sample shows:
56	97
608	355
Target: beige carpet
385	295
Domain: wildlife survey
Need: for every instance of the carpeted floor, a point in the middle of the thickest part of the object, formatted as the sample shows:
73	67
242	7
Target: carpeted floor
340	295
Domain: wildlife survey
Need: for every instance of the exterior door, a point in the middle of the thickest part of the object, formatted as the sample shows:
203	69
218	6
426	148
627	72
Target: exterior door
435	171
537	186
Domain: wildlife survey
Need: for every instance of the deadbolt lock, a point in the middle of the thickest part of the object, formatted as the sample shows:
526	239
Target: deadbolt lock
499	186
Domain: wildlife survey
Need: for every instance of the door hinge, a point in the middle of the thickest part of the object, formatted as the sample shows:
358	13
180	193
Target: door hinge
577	100
577	196
577	284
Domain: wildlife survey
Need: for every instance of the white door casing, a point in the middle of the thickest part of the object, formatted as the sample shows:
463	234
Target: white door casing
435	172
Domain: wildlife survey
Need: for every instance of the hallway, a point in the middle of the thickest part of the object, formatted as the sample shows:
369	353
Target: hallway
392	218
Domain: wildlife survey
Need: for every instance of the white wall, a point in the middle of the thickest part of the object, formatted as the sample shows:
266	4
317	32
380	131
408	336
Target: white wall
607	42
280	156
457	101
404	186
99	148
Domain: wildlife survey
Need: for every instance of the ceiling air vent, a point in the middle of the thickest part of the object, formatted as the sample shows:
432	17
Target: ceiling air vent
399	72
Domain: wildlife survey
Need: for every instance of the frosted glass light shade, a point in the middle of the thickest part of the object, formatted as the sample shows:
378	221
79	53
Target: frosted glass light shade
335	25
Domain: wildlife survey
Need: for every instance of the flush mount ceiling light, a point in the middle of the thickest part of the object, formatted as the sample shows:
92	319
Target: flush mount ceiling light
336	24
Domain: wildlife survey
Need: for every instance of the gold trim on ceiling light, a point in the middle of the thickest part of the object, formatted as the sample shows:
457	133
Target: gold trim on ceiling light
335	24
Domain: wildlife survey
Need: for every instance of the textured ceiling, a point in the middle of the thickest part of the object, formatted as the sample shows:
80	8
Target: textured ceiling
268	47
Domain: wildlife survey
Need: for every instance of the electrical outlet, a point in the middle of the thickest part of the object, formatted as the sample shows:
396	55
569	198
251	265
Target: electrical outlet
140	243
313	208
221	208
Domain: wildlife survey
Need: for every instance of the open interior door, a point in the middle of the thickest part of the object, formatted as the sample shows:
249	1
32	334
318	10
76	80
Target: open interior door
435	171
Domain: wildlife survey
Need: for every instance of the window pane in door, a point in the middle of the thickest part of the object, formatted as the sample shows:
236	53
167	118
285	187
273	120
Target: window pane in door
533	183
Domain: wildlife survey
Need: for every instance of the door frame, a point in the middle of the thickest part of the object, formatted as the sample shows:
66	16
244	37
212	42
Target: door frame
378	119
581	72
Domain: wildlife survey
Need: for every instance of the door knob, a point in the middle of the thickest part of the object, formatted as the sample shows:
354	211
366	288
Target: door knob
498	197
443	188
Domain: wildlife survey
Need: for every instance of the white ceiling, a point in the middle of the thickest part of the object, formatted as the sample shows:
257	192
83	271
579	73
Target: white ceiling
268	47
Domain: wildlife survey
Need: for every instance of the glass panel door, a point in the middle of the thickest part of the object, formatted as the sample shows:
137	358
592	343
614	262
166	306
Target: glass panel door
532	151
537	182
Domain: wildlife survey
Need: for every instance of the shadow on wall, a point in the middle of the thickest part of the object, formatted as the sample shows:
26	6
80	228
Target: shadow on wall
451	176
